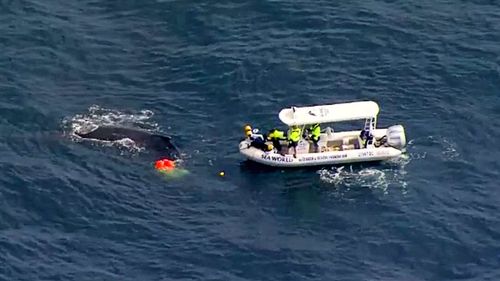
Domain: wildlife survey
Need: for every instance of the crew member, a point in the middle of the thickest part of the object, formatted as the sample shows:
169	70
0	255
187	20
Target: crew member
314	133
293	138
247	128
257	140
276	136
366	137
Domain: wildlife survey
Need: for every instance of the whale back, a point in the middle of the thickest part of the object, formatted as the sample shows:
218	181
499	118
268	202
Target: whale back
156	142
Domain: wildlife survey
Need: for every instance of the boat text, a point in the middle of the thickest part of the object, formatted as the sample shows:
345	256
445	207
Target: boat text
322	157
365	154
276	158
383	153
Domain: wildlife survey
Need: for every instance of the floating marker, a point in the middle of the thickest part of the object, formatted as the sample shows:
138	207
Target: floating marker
169	170
164	164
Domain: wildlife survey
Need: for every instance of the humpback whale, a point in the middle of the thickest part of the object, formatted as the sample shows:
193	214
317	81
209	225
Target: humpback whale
153	141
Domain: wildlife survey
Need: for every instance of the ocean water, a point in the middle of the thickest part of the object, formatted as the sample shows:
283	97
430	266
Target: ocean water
198	71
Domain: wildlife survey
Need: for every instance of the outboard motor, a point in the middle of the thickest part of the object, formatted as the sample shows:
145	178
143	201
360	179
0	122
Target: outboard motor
396	136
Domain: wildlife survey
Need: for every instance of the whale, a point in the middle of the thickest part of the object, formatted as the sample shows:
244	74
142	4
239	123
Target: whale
152	141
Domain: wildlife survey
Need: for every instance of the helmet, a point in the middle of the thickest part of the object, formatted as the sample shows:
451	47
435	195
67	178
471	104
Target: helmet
247	128
255	131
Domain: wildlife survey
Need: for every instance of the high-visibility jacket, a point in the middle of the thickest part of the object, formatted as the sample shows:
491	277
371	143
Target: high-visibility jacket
315	132
294	135
276	135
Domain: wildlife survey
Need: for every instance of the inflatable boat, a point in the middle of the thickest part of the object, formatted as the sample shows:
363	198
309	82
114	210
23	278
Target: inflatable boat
368	143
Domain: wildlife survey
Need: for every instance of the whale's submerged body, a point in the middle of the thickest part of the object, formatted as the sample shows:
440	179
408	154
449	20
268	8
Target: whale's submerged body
152	141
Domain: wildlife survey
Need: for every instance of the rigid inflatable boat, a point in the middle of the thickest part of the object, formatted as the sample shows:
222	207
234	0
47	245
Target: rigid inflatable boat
350	146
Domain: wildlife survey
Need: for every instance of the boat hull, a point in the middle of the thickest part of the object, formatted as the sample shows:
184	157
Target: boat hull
319	158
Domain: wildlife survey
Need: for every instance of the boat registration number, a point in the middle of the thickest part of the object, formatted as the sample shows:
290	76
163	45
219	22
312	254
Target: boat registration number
365	154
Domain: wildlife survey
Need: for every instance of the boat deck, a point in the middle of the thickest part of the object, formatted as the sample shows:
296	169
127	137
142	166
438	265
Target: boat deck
346	143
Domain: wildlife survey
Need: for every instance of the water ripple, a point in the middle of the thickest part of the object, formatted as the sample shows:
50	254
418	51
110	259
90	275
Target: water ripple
73	210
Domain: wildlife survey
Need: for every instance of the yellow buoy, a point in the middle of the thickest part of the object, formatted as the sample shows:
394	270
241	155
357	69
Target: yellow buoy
221	173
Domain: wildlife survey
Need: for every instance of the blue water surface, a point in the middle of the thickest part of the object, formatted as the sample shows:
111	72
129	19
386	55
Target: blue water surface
200	70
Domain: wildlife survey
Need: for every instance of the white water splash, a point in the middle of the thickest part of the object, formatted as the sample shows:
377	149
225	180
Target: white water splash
99	116
367	177
449	148
389	174
128	144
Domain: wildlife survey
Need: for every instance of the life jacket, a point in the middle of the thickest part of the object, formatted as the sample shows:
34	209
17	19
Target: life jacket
315	132
277	135
294	135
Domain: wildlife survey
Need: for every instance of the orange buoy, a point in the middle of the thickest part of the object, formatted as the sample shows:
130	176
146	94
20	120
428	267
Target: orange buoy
169	163
158	164
164	164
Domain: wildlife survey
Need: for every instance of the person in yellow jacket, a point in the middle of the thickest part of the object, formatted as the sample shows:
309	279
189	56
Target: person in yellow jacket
276	136
314	133
294	135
